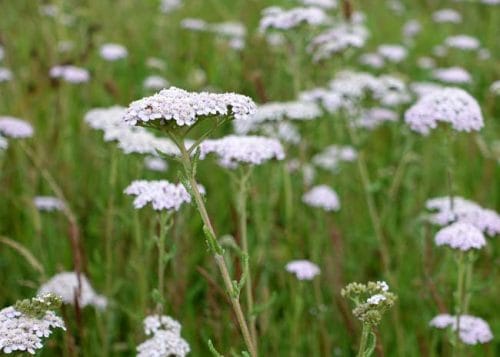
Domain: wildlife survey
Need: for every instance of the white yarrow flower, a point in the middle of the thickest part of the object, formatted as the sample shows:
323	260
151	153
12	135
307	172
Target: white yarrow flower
70	74
452	75
48	203
376	299
275	17
5	74
113	52
166	340
161	194
461	236
233	150
15	128
65	285
303	269
449	105
154	163
472	330
185	108
323	197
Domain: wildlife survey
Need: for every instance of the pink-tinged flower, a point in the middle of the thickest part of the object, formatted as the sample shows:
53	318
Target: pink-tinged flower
461	236
449	105
15	128
323	197
303	269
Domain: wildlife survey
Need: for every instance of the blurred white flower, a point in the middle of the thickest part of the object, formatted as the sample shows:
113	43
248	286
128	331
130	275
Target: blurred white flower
322	196
233	150
486	220
70	74
113	52
495	87
411	28
155	82
393	53
338	38
303	269
447	15
331	157
449	105
423	88
472	330
167	6
325	4
156	63
65	285
194	24
5	74
155	164
48	203
4	144
372	60
461	236
373	118
275	17
15	128
462	42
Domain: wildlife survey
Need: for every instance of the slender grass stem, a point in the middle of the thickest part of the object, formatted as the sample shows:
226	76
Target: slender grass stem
242	197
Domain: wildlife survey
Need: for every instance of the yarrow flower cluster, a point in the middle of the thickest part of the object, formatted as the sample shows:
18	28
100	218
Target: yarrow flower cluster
393	53
166	340
472	330
371	300
15	128
113	52
278	111
461	236
66	285
449	105
233	150
338	38
275	17
23	326
70	74
185	108
447	15
463	42
303	269
373	118
155	82
161	194
155	164
452	75
323	197
48	203
130	139
5	74
333	155
463	210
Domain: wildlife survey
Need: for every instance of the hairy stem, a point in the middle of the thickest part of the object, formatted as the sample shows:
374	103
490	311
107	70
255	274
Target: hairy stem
219	259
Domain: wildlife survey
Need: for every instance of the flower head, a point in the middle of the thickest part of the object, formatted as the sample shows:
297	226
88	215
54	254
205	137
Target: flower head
70	74
463	42
5	74
452	75
155	83
23	332
303	269
185	108
233	150
471	330
447	15
331	157
462	236
462	210
275	17
113	52
323	197
48	203
154	163
166	340
66	286
448	105
162	195
15	128
393	53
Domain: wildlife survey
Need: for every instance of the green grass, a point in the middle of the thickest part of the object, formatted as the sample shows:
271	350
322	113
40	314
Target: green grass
81	163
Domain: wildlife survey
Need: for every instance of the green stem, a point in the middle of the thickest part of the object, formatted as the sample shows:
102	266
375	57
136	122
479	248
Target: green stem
242	211
164	218
459	303
219	259
364	340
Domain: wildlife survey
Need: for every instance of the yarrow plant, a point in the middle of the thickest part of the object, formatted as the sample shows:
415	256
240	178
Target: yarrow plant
15	128
175	112
24	325
303	269
371	301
